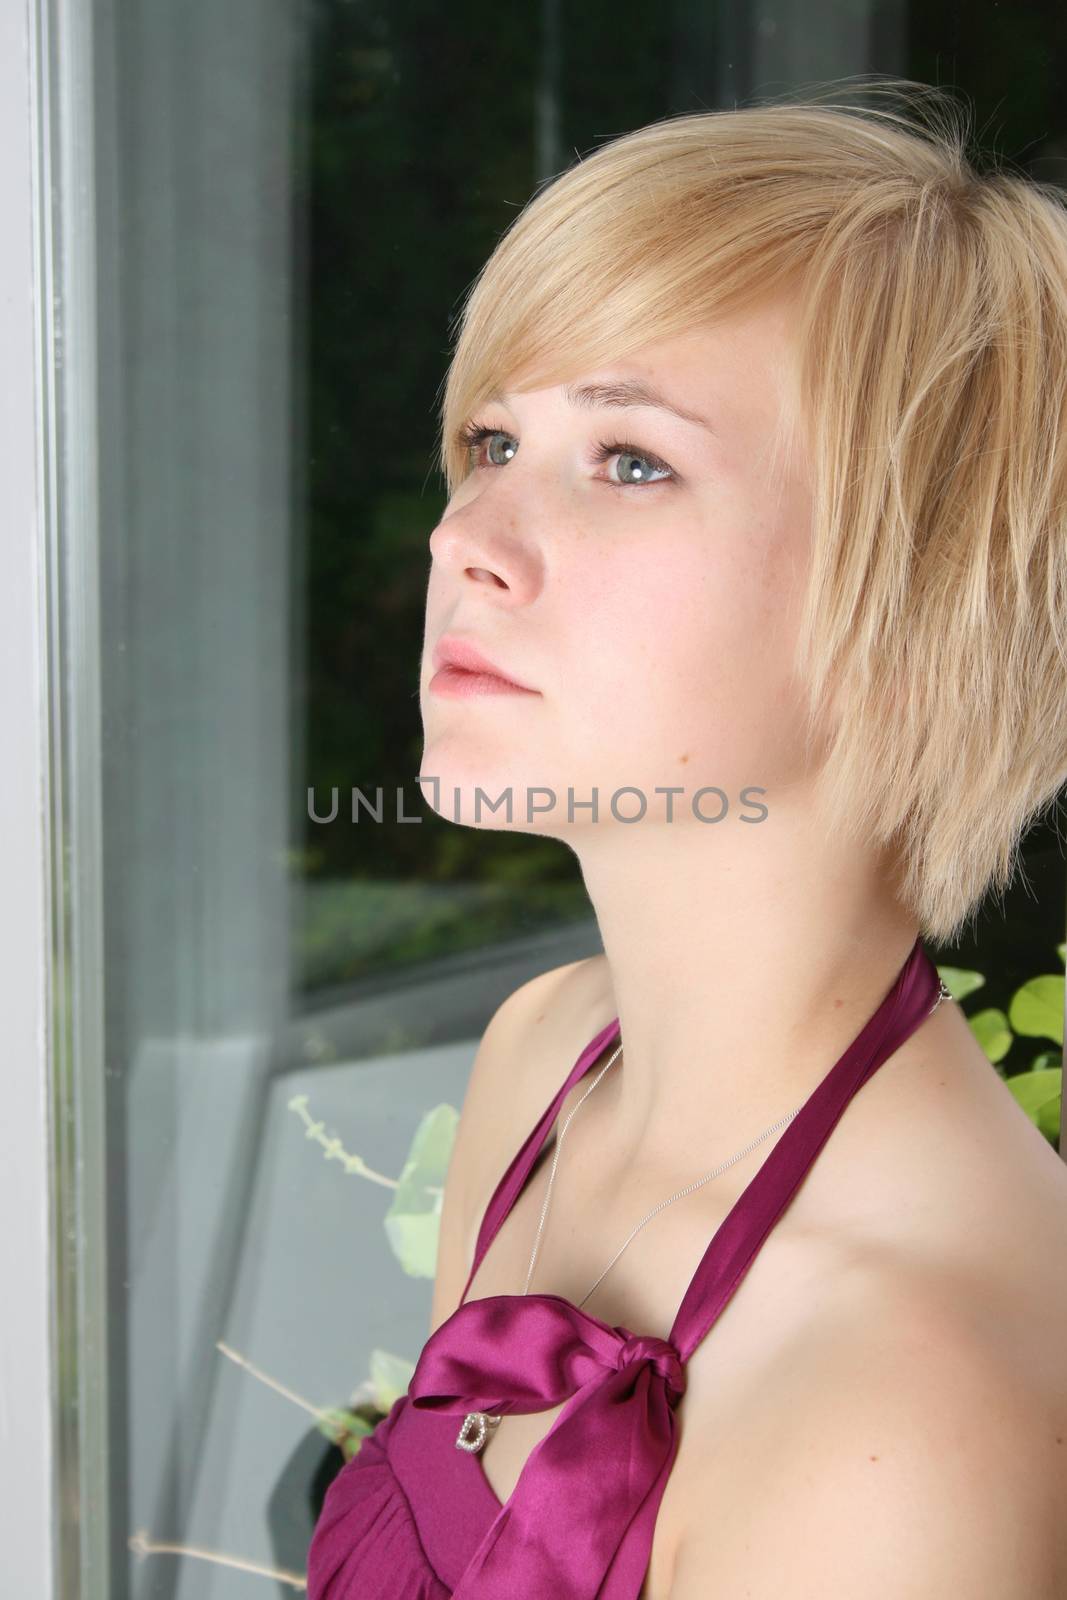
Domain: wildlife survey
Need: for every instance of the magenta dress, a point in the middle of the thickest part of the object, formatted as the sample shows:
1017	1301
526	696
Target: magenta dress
412	1517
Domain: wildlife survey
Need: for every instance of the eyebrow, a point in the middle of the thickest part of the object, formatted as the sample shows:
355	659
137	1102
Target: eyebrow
623	393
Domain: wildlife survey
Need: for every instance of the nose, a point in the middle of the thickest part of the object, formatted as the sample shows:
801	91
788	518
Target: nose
499	560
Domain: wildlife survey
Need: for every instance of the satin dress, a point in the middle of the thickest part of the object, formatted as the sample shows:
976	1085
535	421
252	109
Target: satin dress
413	1517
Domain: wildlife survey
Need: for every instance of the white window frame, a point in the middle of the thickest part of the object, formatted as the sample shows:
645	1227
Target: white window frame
53	1403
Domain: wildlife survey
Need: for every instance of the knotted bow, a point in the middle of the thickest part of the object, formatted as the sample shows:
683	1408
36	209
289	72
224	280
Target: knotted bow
580	1520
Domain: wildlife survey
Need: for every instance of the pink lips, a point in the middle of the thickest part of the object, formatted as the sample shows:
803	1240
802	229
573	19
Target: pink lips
464	671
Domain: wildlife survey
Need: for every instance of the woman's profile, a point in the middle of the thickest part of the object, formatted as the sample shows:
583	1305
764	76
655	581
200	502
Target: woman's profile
751	588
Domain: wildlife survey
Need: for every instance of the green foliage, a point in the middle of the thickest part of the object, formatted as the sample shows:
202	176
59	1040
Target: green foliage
346	1429
411	1223
351	928
347	1426
389	1377
990	1028
1039	1094
1035	1011
961	982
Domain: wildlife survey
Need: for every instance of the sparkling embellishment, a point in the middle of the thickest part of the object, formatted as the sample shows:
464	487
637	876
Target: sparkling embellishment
481	1423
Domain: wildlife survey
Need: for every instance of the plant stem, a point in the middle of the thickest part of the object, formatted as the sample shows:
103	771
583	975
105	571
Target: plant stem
144	1546
272	1383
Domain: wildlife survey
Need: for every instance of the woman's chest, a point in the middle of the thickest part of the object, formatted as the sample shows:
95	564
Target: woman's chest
713	1472
642	1293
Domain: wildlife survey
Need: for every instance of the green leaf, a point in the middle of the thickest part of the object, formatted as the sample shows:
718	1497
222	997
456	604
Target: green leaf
413	1218
960	981
351	1442
340	1425
1040	1095
1046	1059
389	1376
1036	1010
1062	948
990	1028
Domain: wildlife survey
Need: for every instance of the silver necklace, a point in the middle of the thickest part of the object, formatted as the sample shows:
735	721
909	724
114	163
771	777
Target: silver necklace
678	1195
944	993
477	1424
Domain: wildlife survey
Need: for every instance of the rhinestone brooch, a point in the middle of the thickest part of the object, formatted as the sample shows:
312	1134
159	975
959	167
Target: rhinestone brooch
475	1431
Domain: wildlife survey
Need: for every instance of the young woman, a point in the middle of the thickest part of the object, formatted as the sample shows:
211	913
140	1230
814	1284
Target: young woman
752	589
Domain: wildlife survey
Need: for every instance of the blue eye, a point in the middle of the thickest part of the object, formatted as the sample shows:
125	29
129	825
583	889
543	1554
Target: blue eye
473	434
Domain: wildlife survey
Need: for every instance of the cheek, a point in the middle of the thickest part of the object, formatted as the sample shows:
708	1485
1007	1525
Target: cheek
689	651
698	608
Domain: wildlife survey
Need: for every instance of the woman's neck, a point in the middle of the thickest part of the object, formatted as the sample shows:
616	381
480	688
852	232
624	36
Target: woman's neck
741	969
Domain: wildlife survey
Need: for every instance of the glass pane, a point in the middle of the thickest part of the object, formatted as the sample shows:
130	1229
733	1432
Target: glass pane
289	202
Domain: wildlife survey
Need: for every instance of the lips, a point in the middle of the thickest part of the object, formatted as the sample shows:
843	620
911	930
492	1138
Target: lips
459	656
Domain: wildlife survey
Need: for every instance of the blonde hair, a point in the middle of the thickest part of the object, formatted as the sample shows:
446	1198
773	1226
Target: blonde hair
932	346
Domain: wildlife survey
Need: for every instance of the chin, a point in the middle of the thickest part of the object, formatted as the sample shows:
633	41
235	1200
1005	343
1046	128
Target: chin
451	787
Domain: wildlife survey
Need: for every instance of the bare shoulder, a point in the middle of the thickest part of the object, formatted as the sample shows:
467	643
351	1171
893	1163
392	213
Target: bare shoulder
530	1043
896	1421
527	1048
914	1443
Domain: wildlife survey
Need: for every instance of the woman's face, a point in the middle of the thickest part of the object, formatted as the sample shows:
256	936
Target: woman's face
650	598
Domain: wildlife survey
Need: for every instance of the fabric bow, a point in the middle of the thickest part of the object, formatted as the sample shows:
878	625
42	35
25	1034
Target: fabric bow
580	1520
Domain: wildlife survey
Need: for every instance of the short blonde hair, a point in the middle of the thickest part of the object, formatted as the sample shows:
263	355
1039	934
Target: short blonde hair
932	348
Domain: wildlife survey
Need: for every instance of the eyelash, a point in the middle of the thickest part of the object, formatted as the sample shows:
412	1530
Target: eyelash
472	434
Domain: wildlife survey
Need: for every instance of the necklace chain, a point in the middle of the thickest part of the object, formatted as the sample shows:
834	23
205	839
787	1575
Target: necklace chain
689	1188
943	994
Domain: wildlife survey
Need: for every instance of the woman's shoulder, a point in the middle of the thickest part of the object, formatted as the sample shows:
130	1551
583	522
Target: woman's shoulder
913	1381
916	1446
530	1044
526	1050
534	1038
